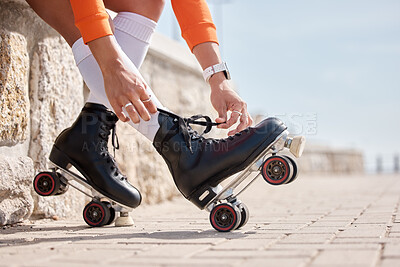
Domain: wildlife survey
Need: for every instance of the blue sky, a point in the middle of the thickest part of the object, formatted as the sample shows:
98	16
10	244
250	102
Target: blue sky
330	69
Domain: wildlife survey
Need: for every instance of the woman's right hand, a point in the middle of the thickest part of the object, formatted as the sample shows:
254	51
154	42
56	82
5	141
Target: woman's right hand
122	85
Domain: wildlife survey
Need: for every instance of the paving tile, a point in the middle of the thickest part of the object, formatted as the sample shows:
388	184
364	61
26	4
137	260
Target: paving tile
345	258
391	250
283	226
395	228
298	238
273	262
244	244
330	224
196	262
253	254
390	262
328	246
319	230
262	235
357	240
172	251
363	232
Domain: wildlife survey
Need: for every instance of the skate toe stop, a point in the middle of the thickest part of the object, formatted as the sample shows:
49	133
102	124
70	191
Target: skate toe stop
297	146
124	221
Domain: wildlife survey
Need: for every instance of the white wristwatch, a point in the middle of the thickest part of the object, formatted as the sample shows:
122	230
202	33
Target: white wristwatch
210	71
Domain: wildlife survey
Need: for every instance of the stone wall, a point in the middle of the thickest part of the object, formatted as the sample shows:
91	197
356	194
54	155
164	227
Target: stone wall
41	93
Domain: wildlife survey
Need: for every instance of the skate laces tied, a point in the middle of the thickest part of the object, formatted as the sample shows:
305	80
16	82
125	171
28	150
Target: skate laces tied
114	142
188	133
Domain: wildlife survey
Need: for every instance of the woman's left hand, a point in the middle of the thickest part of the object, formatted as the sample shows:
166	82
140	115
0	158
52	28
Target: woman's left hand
224	99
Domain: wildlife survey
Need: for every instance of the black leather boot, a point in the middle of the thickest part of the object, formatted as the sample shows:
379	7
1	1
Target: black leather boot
84	146
196	162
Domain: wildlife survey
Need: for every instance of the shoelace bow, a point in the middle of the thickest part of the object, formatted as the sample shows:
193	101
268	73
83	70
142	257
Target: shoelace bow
187	130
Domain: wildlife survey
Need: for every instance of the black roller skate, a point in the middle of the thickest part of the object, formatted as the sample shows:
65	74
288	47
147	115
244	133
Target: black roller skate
84	146
199	164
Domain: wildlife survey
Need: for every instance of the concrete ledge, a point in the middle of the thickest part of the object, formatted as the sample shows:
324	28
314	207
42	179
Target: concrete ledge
174	52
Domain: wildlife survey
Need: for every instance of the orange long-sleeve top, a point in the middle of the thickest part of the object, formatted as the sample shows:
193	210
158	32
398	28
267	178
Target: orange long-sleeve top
193	16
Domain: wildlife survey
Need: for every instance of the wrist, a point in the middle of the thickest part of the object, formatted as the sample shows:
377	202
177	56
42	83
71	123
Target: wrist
217	79
212	70
106	52
112	66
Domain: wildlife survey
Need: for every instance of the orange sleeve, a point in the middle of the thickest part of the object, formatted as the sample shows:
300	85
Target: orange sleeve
195	20
91	19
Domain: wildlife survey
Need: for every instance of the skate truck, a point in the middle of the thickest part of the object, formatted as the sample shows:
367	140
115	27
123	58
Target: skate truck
100	211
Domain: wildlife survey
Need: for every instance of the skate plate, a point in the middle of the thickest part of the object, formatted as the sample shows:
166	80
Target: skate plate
99	212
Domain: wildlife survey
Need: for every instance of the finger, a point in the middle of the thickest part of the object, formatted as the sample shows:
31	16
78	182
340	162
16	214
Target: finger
118	111
236	110
137	103
143	113
232	132
243	123
241	126
249	119
132	113
222	117
149	104
232	120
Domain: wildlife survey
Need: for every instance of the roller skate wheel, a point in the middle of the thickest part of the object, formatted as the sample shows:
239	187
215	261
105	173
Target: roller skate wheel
46	183
245	214
124	220
294	169
225	217
277	170
112	212
96	214
297	146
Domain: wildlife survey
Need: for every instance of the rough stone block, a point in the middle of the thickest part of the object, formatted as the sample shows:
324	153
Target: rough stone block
16	203
14	102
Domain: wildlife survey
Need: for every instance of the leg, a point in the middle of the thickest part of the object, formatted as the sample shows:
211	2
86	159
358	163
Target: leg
134	26
84	144
151	9
58	14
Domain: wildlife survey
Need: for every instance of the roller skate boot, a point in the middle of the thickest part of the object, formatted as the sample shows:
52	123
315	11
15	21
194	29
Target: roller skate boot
84	146
198	164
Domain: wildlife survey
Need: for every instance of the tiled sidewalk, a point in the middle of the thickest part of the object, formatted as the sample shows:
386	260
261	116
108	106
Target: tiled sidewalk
316	221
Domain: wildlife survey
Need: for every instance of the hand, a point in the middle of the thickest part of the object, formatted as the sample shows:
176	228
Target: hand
121	83
224	99
123	87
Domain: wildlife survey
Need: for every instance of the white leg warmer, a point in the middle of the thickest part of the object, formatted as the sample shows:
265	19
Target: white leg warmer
133	33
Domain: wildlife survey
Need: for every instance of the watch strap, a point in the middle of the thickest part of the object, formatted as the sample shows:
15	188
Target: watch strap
210	71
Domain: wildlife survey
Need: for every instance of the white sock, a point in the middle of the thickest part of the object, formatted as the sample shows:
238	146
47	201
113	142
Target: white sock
133	33
136	42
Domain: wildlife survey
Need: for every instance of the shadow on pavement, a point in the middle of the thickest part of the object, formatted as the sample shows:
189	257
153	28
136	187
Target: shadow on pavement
97	236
